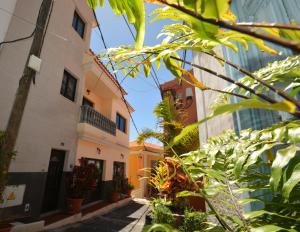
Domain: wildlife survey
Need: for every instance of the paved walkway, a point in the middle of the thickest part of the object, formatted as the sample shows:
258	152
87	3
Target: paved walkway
130	218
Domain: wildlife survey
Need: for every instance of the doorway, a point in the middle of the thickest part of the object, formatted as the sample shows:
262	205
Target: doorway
53	182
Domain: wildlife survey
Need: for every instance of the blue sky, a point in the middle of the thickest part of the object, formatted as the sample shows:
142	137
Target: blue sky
143	95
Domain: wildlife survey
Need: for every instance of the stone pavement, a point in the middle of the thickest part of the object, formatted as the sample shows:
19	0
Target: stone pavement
130	218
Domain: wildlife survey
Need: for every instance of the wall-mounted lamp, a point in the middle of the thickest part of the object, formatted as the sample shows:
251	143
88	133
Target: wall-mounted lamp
122	156
62	144
98	151
88	91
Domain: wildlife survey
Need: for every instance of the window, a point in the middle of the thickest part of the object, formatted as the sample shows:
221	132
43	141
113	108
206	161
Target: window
121	123
87	102
118	170
99	166
68	86
78	24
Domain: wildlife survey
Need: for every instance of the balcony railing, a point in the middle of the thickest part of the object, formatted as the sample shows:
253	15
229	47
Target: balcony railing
94	118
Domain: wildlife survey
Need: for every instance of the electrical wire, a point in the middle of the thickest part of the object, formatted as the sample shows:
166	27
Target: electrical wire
22	38
153	72
118	84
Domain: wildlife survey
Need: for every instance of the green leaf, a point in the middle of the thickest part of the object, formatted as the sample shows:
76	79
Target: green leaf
283	157
292	181
258	213
215	8
147	69
267	228
252	159
92	4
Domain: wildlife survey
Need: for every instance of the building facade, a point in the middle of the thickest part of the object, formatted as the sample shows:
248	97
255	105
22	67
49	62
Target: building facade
143	157
271	11
74	109
205	99
183	95
7	7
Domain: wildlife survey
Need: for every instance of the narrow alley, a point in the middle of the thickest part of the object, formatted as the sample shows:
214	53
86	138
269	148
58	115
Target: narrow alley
130	218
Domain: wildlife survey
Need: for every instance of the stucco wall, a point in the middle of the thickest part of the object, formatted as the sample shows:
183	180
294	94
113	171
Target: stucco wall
50	119
109	153
204	100
138	161
6	12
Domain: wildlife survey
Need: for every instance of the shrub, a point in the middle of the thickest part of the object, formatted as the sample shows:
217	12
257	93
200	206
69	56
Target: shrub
194	221
161	214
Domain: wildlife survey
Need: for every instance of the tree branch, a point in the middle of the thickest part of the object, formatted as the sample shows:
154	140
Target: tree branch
270	25
221	23
259	80
228	79
226	92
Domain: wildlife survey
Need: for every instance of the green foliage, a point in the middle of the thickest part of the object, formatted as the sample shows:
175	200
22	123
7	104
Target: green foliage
160	213
236	163
133	9
194	221
230	165
170	120
285	73
159	228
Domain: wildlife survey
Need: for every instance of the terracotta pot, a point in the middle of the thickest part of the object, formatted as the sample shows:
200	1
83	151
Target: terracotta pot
74	205
93	185
129	192
5	227
197	203
115	196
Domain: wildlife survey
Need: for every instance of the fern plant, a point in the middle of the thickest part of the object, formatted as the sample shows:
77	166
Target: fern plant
170	121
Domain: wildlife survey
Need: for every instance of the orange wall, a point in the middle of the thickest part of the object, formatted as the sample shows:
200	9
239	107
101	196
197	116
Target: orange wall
135	164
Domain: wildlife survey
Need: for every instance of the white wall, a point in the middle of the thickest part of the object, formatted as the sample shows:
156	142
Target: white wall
7	7
50	120
204	100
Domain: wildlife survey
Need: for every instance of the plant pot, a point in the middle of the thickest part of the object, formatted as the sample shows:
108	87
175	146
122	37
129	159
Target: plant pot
197	203
93	185
5	227
115	196
129	192
74	205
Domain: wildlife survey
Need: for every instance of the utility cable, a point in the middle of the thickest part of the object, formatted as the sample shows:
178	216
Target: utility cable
116	78
22	38
153	72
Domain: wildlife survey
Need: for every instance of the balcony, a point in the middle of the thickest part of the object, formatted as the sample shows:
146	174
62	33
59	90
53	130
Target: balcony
96	119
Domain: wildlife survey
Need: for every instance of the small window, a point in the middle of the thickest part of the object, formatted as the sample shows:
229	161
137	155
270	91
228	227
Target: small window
78	24
118	170
121	123
68	86
87	102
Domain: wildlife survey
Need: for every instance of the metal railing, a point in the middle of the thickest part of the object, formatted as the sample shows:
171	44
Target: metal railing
96	119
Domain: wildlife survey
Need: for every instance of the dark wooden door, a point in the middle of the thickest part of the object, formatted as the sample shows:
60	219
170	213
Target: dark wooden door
53	182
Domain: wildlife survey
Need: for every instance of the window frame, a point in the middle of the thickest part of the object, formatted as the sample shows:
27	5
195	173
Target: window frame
75	23
64	87
118	122
91	104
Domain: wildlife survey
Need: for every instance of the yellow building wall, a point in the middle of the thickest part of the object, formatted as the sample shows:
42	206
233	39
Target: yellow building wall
135	164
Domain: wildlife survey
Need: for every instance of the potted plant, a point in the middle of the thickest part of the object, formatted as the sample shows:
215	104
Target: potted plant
76	186
92	175
117	187
130	187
